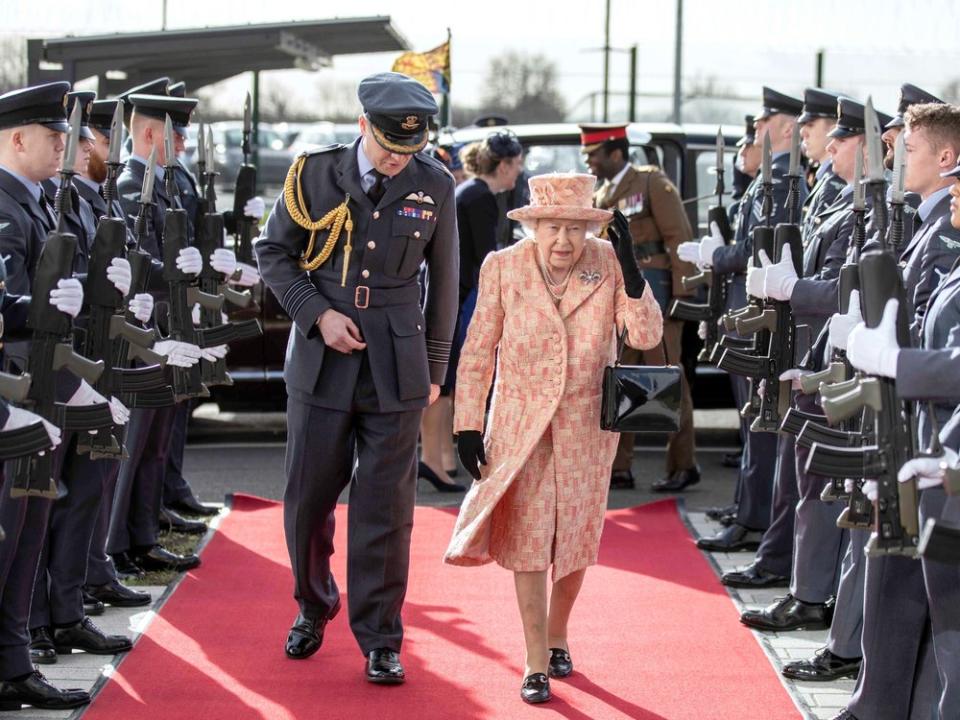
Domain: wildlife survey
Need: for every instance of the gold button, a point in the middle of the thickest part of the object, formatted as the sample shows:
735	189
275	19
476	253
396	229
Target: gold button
365	273
416	233
418	327
372	245
376	214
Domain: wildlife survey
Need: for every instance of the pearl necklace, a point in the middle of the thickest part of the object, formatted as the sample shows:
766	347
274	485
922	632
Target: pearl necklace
556	289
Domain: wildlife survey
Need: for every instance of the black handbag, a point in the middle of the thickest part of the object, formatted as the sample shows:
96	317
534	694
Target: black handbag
641	398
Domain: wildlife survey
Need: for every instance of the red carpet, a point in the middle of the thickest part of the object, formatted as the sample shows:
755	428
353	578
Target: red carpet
653	636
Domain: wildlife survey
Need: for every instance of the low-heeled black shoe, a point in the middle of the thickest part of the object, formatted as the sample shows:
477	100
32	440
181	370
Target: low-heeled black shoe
306	635
125	566
561	665
384	668
34	690
171	521
824	666
86	636
42	651
535	689
621	480
158	557
439	485
678	481
191	506
753	576
118	595
788	613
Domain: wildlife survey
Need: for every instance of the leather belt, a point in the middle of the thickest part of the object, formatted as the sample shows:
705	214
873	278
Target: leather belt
656	247
364	296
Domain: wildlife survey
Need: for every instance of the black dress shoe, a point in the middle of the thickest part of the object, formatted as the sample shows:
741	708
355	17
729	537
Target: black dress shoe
715	513
170	521
735	538
561	665
157	557
42	651
678	481
191	506
824	666
118	595
86	636
731	460
438	484
788	613
306	636
620	480
384	668
728	520
125	566
535	689
753	576
91	606
34	690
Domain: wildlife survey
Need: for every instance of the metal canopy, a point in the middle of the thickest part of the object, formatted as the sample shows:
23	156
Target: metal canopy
203	56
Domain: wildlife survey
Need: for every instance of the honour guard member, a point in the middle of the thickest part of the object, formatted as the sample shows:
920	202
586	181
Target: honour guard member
658	224
342	251
818	118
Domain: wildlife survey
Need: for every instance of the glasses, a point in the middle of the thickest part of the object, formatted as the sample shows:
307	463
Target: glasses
504	144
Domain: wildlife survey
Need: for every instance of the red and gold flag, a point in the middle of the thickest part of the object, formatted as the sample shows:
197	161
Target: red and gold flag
432	67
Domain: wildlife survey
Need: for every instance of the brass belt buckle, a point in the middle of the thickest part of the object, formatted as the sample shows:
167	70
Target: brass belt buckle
363	292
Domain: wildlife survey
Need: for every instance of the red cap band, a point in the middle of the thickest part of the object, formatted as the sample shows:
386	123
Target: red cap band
599	136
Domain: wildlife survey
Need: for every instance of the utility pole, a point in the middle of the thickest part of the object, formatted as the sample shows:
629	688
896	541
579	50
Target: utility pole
606	65
632	117
678	63
819	78
163	24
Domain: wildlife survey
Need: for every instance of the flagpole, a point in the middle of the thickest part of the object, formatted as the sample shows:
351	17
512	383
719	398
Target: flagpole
445	107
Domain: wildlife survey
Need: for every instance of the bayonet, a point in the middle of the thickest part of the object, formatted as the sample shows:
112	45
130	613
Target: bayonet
859	191
721	146
766	169
793	175
899	171
67	168
201	156
171	159
875	176
113	157
146	197
247	128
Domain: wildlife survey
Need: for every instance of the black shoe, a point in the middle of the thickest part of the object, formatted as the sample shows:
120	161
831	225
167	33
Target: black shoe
845	715
535	689
86	636
439	485
619	480
788	613
118	595
715	513
170	521
384	668
42	651
824	666
125	566
159	558
728	520
678	481
561	665
731	460
191	506
91	606
735	538
753	576
453	473
34	690
306	636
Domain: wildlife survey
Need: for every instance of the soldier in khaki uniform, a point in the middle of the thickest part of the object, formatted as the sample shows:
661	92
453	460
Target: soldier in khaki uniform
658	225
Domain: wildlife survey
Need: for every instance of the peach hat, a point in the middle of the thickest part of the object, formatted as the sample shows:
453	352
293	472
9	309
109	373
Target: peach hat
561	196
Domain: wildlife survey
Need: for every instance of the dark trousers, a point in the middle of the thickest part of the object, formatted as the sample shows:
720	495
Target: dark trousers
758	469
134	522
58	595
846	630
100	570
326	449
776	548
175	486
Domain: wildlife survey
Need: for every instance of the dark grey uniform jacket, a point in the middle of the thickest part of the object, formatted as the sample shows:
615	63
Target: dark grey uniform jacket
129	186
822	195
927	259
407	349
23	229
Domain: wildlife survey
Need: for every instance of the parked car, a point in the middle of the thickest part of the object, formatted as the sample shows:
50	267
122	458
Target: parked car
685	153
273	157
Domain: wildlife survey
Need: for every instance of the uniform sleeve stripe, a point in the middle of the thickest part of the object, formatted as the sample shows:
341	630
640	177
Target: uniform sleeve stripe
297	295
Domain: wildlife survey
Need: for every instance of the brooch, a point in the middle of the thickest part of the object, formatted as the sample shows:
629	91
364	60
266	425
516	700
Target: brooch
588	277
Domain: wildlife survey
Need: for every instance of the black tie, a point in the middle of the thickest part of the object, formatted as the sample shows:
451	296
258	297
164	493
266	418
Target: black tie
48	209
376	191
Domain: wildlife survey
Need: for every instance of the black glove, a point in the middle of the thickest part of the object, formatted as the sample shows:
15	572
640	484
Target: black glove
470	450
619	233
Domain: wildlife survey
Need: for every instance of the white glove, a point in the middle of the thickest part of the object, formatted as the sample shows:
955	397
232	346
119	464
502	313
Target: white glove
794	375
223	261
178	354
195	313
217	352
780	278
842	325
119	274
119	412
67	296
249	277
762	388
189	261
870	490
689	252
19	418
254	207
848	485
702	330
141	305
875	351
756	277
928	471
709	243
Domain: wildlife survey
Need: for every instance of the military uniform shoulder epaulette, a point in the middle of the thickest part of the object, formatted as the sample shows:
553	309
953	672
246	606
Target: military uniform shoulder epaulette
648	168
433	164
322	149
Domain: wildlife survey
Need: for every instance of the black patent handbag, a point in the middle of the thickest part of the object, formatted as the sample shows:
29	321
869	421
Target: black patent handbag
641	398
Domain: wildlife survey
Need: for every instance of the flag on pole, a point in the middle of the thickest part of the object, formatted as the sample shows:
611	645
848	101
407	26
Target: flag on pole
432	67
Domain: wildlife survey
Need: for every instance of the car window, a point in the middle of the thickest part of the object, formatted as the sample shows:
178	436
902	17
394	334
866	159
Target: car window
269	139
546	158
707	182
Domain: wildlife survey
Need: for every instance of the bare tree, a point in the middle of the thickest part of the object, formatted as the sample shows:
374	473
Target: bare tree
523	88
13	63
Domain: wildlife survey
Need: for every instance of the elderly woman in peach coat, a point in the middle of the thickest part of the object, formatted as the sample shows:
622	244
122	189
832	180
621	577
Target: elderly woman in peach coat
547	314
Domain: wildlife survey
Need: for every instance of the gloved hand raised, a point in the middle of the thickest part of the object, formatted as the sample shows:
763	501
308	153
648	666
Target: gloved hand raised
841	325
67	296
779	279
223	261
249	275
86	395
470	450
211	354
756	277
709	244
141	305
875	351
619	233
178	354
254	207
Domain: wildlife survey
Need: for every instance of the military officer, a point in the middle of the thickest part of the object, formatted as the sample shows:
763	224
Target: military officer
818	118
342	252
658	224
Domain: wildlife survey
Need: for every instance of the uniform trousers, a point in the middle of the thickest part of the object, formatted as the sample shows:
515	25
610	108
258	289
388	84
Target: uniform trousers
175	485
776	548
375	453
100	569
846	629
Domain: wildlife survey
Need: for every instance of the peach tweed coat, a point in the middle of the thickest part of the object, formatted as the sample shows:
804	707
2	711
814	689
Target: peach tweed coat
549	365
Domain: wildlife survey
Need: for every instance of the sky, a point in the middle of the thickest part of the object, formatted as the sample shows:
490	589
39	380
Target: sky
870	47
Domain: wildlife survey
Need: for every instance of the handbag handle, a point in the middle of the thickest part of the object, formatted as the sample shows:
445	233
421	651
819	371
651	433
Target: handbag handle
622	341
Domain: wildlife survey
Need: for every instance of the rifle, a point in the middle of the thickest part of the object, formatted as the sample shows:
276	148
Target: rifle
939	541
51	347
246	188
26	440
709	312
109	336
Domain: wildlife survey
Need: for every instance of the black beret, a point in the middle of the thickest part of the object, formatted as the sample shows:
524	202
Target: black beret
910	95
42	104
398	108
159	106
776	102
